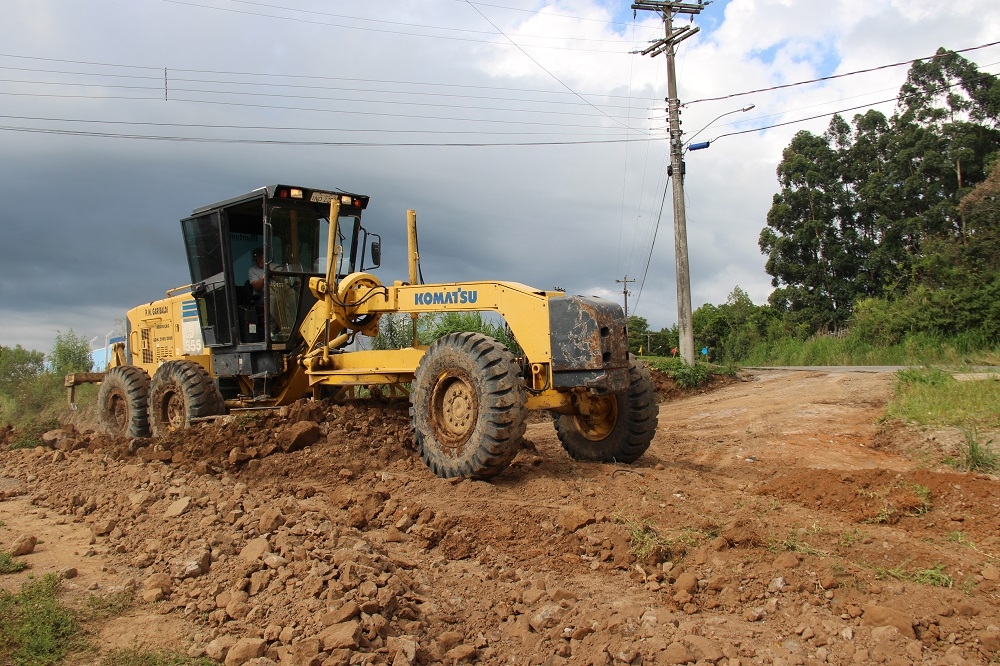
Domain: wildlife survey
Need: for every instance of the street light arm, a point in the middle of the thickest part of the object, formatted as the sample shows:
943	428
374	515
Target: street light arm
723	115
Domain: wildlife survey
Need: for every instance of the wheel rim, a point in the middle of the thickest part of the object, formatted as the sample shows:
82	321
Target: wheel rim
173	411
117	412
453	409
600	420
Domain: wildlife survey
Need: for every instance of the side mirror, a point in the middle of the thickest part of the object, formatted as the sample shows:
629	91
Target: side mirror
376	254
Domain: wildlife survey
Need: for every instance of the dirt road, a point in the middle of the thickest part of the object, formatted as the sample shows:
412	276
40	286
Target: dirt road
774	520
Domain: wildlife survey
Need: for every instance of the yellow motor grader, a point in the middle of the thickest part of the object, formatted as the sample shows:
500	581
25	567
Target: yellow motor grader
227	341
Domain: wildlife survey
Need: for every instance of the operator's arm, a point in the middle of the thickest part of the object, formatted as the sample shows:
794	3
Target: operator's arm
256	277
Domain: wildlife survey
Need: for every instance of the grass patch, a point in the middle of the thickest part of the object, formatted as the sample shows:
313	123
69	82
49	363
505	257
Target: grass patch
136	657
977	456
935	576
912	349
35	629
29	434
9	565
928	396
960	539
689	376
100	607
897	501
792	543
849	538
647	544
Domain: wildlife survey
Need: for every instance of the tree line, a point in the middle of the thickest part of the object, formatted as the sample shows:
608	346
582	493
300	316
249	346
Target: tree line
884	228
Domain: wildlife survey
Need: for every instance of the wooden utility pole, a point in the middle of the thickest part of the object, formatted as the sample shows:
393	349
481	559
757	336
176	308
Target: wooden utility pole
676	170
624	284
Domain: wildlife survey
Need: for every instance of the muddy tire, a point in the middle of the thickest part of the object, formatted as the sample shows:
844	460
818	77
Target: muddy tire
467	405
619	428
181	391
122	402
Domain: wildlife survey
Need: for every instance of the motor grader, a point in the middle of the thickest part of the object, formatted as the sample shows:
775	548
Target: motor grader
217	344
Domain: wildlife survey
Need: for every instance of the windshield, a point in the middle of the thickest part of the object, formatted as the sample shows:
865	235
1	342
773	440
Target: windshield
298	241
347	230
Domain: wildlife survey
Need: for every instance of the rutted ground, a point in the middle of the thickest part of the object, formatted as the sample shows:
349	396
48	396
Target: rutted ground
773	520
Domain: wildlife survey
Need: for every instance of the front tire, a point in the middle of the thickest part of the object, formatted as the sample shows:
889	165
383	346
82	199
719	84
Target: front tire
181	391
617	428
122	402
467	405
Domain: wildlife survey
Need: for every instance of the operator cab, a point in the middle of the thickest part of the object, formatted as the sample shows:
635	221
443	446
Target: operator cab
250	331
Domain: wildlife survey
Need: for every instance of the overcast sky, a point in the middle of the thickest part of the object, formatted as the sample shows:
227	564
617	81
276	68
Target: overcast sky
91	204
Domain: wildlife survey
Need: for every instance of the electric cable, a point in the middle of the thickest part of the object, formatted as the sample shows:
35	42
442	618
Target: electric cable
837	76
540	66
294	85
277	142
532	11
336	111
409	103
649	257
409	25
897	98
159	70
385	30
279	129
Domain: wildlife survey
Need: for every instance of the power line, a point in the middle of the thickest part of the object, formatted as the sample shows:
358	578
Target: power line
832	113
159	68
649	257
272	127
409	25
408	103
282	142
408	116
836	76
265	84
381	30
532	11
540	66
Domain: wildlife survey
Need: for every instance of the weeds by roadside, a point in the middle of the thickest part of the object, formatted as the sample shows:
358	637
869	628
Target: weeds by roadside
647	544
934	576
35	628
976	456
689	376
792	543
105	606
930	396
9	565
29	434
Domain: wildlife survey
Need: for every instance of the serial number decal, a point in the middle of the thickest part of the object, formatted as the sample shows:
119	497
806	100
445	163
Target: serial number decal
459	296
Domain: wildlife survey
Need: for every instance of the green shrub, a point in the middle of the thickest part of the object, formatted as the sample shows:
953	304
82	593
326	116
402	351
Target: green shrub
9	565
29	434
35	629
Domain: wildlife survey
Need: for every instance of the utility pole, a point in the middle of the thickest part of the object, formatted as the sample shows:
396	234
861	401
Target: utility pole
666	45
624	284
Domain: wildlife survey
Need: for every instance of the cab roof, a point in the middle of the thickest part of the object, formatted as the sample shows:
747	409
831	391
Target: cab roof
270	192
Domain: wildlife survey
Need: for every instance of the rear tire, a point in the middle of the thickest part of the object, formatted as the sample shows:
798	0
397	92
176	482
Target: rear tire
467	405
181	391
122	402
619	428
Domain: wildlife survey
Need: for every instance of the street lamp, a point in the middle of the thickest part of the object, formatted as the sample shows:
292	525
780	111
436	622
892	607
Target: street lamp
705	144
